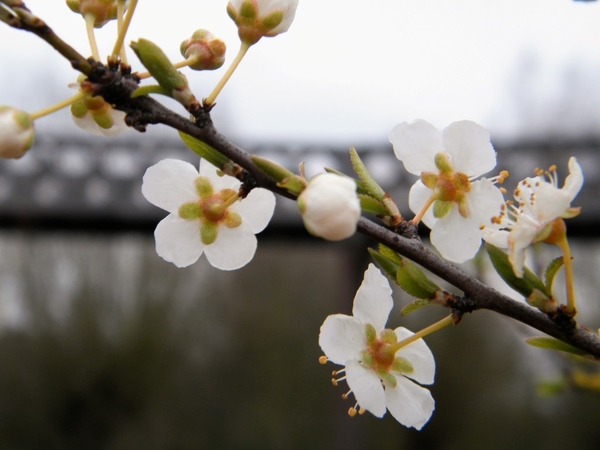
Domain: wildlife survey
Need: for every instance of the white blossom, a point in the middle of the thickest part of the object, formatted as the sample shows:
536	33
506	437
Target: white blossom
16	132
95	116
449	164
206	214
258	18
330	207
378	375
539	202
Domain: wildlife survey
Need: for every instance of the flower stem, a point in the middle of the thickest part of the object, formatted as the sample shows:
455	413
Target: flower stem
59	105
415	220
123	29
177	65
424	332
89	26
120	14
238	58
563	244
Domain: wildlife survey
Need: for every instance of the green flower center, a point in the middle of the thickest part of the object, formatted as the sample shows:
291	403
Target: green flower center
380	355
212	209
448	187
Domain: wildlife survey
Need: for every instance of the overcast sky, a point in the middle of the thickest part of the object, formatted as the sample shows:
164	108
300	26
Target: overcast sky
348	70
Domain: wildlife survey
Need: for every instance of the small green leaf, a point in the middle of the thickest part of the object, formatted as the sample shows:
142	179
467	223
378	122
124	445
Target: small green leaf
551	343
205	151
412	279
387	265
371	205
413	306
552	270
389	253
525	285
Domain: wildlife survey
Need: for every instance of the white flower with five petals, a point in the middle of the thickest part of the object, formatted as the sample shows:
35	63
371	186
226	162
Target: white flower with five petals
447	199
206	214
540	203
379	371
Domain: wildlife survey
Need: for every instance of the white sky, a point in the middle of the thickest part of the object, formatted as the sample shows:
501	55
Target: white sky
347	70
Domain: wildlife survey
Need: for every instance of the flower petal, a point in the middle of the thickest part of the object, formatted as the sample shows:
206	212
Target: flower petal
574	181
342	338
418	195
234	248
484	201
498	238
178	240
373	301
170	183
418	355
520	237
469	146
256	209
456	238
416	144
218	182
409	403
367	388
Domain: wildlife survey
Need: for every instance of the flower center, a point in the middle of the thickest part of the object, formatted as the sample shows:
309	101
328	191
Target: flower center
380	355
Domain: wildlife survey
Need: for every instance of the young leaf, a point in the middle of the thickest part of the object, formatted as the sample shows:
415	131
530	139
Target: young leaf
525	285
552	270
554	344
413	306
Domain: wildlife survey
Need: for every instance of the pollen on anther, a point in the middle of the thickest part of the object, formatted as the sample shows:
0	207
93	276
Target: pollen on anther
361	411
352	412
323	359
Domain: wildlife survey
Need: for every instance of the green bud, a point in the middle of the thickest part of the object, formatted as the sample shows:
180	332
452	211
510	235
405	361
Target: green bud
161	68
412	280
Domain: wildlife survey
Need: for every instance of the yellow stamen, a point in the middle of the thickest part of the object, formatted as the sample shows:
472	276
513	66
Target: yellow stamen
323	359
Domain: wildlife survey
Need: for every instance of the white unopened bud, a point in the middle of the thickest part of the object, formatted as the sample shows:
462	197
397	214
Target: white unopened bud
330	207
16	132
258	18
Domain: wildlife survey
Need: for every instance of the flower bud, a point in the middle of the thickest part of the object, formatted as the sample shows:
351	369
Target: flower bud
102	11
330	207
208	52
258	18
16	132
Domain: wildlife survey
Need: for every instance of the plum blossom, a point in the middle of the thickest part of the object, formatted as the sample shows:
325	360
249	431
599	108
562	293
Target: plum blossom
539	203
16	132
379	370
206	214
258	18
95	116
330	207
449	198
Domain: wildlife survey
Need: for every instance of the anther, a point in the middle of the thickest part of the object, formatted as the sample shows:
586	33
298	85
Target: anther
335	381
323	359
352	412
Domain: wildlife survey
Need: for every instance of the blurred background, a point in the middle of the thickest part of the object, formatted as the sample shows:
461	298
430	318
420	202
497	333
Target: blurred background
106	346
